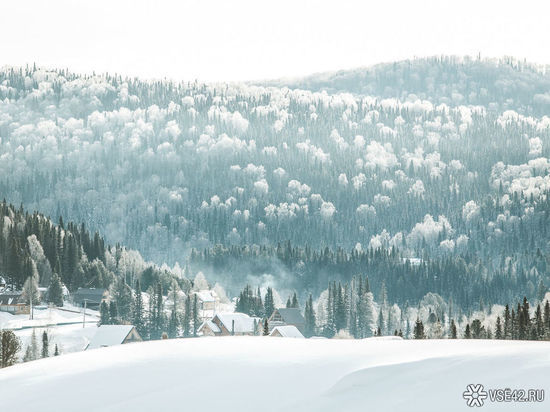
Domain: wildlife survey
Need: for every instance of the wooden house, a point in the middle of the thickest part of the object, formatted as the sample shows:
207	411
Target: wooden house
13	302
111	335
227	324
92	296
286	316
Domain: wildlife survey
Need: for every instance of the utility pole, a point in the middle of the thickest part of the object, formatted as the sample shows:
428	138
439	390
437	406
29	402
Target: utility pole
84	319
32	308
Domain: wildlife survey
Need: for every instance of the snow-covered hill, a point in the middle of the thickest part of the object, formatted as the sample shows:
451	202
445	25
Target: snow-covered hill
277	374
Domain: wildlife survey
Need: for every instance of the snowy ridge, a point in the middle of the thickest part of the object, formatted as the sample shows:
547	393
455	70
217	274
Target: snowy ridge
240	373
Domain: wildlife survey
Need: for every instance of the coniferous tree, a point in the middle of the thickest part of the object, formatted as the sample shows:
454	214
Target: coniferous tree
538	327
45	345
56	352
507	323
10	345
138	318
499	334
453	330
55	291
419	329
547	318
113	313
187	317
467	332
104	314
266	328
269	305
196	319
294	303
123	296
28	356
309	315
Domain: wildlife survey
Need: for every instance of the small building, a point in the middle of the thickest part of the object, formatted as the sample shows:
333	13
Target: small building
288	331
207	300
13	302
92	296
112	335
286	316
226	324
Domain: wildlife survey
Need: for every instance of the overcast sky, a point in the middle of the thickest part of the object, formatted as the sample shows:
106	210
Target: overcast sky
255	39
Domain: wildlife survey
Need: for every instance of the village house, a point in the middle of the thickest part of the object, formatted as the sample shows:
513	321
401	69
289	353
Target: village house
226	324
112	335
92	296
13	302
286	316
287	331
208	301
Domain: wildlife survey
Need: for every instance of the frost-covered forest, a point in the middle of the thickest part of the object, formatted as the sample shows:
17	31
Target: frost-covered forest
435	171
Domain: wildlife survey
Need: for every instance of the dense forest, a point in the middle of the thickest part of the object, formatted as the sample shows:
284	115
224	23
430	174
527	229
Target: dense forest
428	176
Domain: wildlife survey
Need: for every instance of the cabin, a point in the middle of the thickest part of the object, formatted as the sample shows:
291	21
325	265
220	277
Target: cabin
286	316
207	300
92	296
112	335
13	302
288	331
227	324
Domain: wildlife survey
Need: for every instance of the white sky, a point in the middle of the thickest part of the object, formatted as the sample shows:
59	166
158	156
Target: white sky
256	39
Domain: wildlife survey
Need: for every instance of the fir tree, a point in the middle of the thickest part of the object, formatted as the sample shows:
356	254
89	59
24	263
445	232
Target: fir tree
55	291
104	315
34	345
269	305
419	329
138	318
196	320
467	332
309	315
187	317
122	294
113	313
294	303
45	345
454	334
56	352
266	328
499	334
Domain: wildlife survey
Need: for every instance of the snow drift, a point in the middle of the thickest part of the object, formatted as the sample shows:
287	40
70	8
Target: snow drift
278	374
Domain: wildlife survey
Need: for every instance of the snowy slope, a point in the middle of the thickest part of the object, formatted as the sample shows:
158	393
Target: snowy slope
276	374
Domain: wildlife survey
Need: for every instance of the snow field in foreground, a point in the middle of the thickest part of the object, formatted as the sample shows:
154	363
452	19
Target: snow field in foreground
278	374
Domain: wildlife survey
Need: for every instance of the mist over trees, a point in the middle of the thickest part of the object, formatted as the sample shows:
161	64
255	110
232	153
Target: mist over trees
430	175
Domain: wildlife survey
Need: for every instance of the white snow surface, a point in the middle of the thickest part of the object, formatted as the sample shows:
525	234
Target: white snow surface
262	373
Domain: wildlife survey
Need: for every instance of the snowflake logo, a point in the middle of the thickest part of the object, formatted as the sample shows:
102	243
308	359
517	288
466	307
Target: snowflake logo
474	395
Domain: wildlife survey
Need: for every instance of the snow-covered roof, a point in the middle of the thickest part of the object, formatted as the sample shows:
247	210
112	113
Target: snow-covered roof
287	331
206	295
243	322
213	327
109	335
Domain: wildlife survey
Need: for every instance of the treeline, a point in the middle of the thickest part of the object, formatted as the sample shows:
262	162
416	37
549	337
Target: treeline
31	246
156	314
36	252
463	279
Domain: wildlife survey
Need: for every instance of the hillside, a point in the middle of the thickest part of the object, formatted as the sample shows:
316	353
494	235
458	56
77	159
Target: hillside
245	373
439	164
498	83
